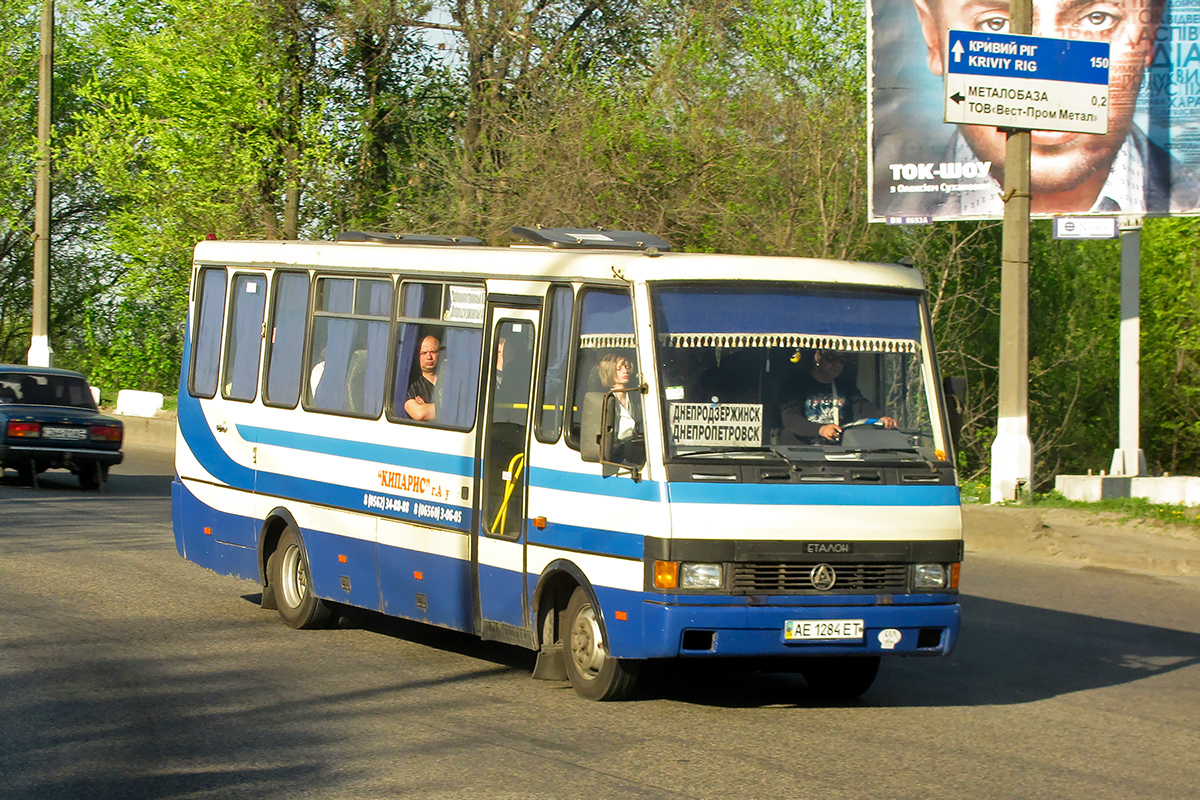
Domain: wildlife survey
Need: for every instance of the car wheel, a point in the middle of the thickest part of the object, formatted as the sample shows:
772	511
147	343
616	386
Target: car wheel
288	568
93	476
27	473
594	673
844	677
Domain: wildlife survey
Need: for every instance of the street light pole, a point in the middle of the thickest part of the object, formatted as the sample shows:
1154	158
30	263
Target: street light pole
40	352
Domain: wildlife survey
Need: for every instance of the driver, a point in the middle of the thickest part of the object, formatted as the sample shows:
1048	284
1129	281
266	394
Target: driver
825	403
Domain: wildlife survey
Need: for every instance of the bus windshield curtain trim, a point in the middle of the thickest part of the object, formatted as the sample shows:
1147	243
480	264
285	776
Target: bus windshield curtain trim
594	341
853	344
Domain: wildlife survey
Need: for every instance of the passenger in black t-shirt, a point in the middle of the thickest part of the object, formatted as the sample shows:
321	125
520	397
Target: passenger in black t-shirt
419	404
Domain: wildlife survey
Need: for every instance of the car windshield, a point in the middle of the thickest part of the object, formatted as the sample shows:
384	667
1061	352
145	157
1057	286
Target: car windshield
751	369
47	390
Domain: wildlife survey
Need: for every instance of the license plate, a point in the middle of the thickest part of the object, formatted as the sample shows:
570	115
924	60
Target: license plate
73	434
823	630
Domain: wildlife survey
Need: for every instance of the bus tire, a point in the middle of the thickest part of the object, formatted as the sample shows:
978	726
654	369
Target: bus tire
594	673
297	605
842	677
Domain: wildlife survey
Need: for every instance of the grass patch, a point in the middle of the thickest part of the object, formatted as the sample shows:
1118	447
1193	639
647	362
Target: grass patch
1127	507
975	491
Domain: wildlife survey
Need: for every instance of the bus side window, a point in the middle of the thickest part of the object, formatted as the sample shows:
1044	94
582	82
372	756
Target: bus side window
557	329
210	316
285	353
605	326
349	346
423	308
248	305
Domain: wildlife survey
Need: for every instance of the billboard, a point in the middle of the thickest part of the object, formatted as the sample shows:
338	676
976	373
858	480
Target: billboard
1147	164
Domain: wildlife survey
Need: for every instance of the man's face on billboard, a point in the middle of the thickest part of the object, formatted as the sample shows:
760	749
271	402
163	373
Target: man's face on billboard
1071	163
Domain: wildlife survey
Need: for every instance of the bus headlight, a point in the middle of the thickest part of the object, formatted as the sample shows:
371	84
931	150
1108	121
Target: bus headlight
700	576
929	576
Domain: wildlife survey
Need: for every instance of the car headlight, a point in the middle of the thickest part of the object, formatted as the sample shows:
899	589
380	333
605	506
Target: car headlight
929	576
700	576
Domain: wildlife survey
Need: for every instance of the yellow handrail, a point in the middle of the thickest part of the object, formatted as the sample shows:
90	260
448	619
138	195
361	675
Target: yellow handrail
513	466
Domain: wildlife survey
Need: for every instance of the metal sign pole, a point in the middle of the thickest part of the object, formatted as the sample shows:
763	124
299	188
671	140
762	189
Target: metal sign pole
1012	450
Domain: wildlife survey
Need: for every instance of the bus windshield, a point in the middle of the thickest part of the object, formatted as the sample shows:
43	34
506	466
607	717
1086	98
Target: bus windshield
803	373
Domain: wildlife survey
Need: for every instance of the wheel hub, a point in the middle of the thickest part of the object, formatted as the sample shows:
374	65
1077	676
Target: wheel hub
587	649
294	582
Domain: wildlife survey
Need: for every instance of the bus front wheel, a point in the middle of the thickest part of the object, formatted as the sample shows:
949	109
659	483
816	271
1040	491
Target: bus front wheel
298	606
594	673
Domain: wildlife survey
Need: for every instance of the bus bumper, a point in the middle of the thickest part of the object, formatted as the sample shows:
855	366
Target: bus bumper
906	626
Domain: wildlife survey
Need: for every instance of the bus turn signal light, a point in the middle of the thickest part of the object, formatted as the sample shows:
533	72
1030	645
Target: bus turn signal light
954	568
666	574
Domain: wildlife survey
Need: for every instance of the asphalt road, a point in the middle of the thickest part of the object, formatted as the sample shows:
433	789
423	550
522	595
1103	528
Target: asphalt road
127	672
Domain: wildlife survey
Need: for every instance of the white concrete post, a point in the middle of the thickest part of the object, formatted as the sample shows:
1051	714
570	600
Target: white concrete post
1128	458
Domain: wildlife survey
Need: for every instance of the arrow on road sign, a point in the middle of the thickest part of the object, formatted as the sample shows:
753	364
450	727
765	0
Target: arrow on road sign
957	50
956	97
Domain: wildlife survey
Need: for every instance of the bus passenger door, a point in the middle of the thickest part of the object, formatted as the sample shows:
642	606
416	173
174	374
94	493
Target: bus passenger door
498	543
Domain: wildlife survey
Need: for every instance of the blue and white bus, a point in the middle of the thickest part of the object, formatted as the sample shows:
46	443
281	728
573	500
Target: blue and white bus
613	461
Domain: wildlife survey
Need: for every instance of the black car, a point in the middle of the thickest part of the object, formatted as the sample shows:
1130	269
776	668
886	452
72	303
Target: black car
50	421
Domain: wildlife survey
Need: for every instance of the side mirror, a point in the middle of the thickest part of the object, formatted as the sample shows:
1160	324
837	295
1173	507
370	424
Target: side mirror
955	390
598	435
591	429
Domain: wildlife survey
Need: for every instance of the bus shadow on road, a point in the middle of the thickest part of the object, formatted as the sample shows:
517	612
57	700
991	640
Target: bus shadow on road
1006	654
1010	653
451	641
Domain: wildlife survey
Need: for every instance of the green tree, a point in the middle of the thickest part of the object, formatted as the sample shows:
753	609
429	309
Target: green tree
1170	347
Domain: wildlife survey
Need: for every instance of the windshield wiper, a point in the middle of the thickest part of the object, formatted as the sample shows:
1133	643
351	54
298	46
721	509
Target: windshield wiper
766	450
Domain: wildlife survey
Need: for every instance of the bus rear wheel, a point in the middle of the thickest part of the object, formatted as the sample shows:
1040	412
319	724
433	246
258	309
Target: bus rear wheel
594	673
288	567
844	677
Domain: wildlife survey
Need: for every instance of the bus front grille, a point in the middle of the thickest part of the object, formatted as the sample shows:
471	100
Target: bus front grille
793	578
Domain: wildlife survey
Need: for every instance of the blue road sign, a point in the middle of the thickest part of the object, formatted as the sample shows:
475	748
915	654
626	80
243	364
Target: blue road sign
1010	56
1030	82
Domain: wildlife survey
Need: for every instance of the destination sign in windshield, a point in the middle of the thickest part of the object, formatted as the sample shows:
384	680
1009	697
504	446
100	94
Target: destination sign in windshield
717	424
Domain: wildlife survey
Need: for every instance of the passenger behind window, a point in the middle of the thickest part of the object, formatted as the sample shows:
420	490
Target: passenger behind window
615	372
500	361
419	404
318	371
31	391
